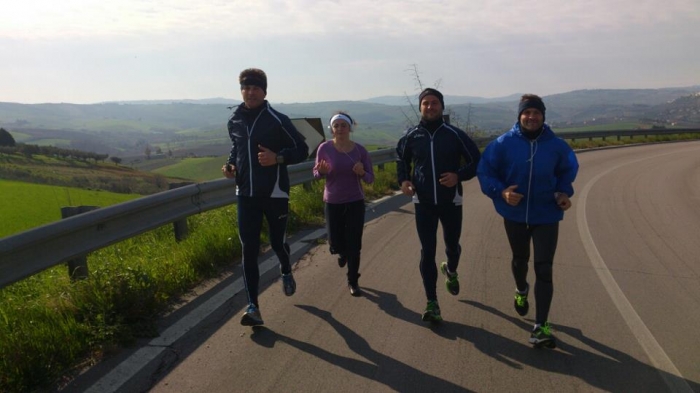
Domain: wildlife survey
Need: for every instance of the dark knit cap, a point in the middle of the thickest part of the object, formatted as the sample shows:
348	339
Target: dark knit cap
253	77
431	92
531	101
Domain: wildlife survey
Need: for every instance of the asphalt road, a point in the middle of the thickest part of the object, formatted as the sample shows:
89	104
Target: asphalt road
626	307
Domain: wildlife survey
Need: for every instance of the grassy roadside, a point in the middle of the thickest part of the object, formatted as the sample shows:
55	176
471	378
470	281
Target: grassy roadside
51	328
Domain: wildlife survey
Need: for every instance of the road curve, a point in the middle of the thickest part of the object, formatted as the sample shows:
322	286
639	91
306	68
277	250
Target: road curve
625	309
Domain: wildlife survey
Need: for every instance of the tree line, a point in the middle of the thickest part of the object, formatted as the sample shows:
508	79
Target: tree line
8	145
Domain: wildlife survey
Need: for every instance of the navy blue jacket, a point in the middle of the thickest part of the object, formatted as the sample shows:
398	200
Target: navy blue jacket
423	156
539	167
274	131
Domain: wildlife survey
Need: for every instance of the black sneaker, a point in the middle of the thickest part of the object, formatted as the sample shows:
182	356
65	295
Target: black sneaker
542	336
342	261
289	286
432	312
520	303
355	290
252	316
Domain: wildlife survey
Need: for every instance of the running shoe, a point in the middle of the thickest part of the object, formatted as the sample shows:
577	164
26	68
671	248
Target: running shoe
289	286
520	303
542	336
432	312
452	281
355	290
252	316
342	261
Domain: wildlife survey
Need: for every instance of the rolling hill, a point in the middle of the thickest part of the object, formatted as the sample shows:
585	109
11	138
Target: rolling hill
198	127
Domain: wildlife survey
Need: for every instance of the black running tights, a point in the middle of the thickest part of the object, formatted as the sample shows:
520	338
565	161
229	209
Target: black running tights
544	241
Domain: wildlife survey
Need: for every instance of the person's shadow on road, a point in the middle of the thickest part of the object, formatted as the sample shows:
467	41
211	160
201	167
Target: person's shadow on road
604	367
378	367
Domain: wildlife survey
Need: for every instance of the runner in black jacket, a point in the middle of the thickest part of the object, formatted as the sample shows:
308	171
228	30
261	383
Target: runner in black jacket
264	142
433	159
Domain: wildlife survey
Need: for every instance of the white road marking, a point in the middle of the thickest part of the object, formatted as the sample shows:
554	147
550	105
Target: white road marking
668	371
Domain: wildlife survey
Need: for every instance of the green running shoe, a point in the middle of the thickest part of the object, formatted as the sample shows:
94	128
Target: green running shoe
521	304
542	336
452	281
432	312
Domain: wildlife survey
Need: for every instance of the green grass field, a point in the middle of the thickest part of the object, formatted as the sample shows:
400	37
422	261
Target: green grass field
27	205
203	168
199	169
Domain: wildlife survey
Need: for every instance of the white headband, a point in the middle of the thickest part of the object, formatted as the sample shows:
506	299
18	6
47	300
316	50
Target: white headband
341	116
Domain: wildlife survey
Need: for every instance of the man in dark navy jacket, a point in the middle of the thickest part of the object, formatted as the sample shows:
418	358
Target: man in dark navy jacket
264	142
433	159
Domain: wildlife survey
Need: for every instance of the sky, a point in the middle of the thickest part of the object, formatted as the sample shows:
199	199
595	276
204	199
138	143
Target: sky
89	51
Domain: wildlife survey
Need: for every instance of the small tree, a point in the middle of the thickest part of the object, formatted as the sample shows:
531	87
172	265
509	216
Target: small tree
6	138
115	160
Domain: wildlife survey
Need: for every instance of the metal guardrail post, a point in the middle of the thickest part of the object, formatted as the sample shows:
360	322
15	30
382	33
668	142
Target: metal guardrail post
180	226
77	267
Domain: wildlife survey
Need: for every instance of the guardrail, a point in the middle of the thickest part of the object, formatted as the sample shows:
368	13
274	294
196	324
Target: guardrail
32	251
604	134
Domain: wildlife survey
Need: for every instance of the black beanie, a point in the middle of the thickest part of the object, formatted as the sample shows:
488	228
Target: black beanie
254	81
431	92
531	102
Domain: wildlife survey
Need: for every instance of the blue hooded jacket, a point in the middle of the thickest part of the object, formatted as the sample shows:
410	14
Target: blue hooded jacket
539	167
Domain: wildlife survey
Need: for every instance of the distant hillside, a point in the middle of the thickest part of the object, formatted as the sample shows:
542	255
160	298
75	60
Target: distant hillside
39	169
449	100
204	101
198	127
683	111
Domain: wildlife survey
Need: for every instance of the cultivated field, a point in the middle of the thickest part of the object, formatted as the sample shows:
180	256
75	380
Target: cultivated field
26	205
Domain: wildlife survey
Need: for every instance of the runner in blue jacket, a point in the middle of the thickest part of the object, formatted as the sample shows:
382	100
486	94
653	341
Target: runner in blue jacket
434	158
528	173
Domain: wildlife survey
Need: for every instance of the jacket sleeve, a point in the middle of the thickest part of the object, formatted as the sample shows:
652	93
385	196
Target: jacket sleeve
298	150
320	155
471	156
403	163
232	155
367	166
566	172
487	172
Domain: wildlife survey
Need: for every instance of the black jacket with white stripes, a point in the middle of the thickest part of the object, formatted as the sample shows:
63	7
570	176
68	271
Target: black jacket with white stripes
266	127
423	156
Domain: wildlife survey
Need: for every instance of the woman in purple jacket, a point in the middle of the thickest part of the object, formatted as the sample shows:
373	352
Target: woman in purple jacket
345	165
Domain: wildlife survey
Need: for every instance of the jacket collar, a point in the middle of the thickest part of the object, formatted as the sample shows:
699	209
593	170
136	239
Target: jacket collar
546	133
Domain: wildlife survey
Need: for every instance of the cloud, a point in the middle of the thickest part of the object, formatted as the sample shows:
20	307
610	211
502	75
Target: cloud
94	50
483	21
